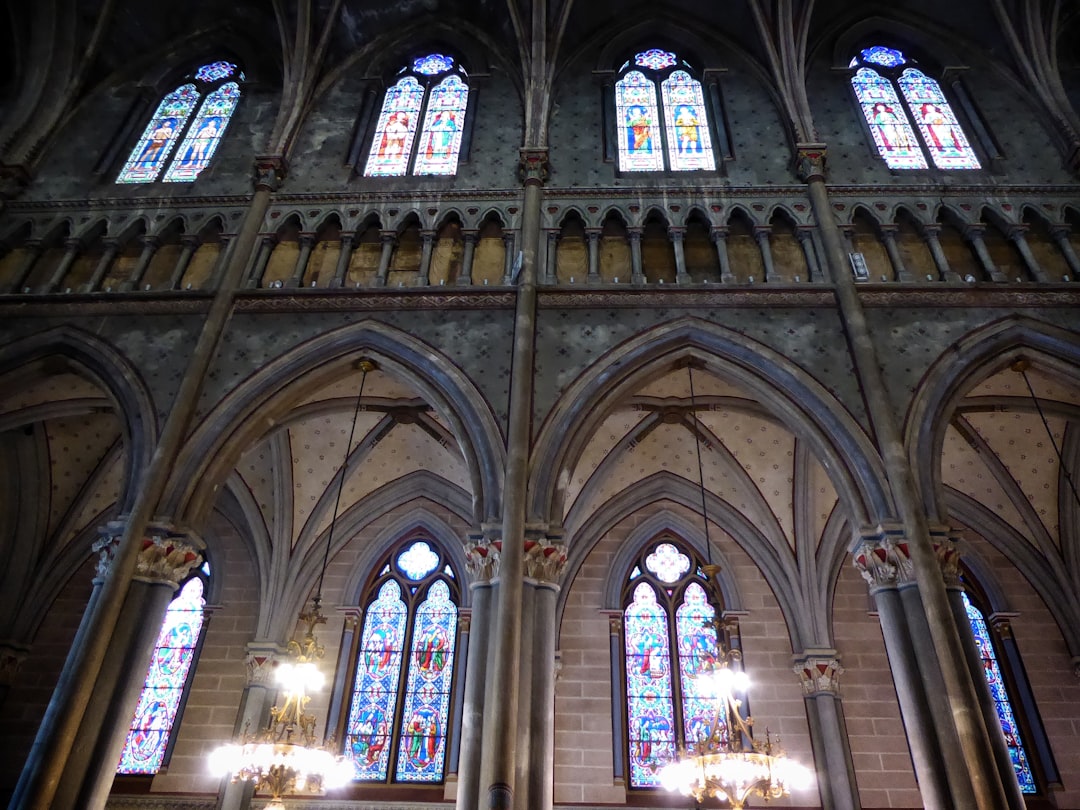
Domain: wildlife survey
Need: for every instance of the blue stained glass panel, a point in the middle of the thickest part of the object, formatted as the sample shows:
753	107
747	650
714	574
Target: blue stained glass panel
689	144
440	141
422	747
375	690
170	664
880	55
895	139
637	122
149	154
934	116
433	64
205	133
655	59
650	712
1001	698
697	647
395	130
215	71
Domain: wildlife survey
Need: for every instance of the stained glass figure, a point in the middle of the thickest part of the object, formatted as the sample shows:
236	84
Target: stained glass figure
688	141
440	140
159	137
668	563
422	748
166	678
215	71
396	129
433	64
650	710
697	646
375	690
936	121
893	134
636	114
1001	698
418	560
203	137
880	55
655	59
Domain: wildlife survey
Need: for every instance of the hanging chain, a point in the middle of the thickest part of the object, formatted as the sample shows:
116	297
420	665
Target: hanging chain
1021	366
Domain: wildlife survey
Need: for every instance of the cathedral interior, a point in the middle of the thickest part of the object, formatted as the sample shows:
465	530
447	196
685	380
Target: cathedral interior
517	364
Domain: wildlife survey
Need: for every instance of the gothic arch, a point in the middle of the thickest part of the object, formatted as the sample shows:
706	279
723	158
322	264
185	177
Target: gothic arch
796	399
247	412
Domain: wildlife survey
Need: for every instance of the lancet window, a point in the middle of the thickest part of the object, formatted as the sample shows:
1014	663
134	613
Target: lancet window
668	639
660	116
186	127
404	669
421	124
908	114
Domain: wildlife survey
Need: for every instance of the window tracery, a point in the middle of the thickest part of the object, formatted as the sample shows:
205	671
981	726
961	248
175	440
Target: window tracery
172	121
922	124
434	91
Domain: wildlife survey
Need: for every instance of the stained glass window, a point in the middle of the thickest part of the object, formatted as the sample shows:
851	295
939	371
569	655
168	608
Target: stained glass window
668	639
665	129
397	724
172	123
157	141
992	671
166	680
426	94
205	133
893	123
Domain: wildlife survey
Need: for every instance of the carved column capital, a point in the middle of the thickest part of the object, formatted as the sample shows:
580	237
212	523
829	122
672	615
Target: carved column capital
306	239
676	233
948	556
1017	233
718	233
270	172
260	662
810	161
819	672
388	237
191	240
166	555
534	167
635	232
470	235
544	560
883	561
483	558
973	231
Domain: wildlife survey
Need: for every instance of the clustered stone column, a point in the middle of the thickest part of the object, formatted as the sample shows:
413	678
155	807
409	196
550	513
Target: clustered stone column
819	673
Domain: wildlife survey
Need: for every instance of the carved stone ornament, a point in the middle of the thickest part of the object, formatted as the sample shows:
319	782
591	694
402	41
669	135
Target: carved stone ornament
259	664
810	161
544	560
270	172
165	556
482	558
533	166
819	674
948	556
872	561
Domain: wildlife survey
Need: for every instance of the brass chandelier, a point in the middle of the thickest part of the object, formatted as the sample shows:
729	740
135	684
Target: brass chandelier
726	762
286	757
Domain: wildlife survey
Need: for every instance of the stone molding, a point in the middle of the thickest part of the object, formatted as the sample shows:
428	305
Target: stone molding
167	556
819	673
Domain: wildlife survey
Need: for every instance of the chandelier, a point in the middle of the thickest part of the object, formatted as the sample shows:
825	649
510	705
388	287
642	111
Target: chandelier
286	756
725	762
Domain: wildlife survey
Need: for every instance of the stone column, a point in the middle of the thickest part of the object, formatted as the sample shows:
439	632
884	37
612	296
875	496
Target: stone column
618	718
719	237
427	239
637	268
482	557
189	243
262	258
112	247
221	264
805	235
389	240
166	559
71	250
930	236
888	236
593	237
762	233
876	560
509	256
1060	235
260	691
1017	235
307	244
819	672
677	236
33	248
150	245
469	238
344	257
974	235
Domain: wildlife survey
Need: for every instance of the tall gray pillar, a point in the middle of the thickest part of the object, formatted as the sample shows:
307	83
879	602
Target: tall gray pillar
805	235
888	236
307	244
637	268
678	235
150	244
427	238
34	249
468	253
389	240
719	238
763	233
344	257
71	250
1017	235
112	247
974	235
930	235
189	244
262	259
1060	235
509	256
819	673
593	237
